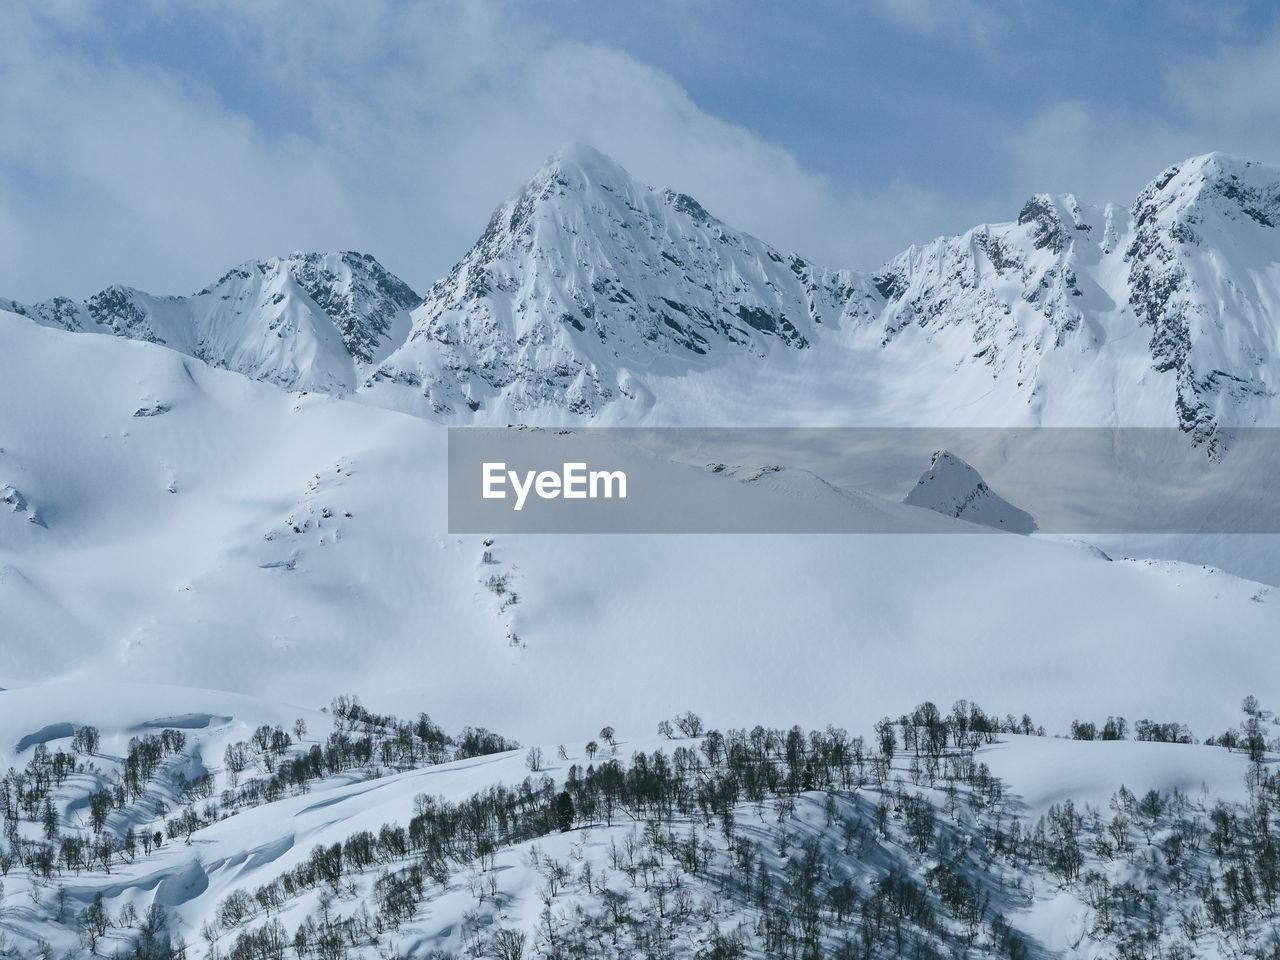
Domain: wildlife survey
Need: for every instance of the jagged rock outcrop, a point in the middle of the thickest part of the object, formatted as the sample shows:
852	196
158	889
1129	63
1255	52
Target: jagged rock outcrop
955	489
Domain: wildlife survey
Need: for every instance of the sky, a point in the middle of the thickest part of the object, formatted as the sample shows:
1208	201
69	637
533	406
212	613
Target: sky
156	144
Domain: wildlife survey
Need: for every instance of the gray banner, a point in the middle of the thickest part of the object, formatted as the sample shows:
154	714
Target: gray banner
861	480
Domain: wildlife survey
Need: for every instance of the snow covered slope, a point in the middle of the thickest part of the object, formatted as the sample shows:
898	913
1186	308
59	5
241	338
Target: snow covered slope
241	827
264	542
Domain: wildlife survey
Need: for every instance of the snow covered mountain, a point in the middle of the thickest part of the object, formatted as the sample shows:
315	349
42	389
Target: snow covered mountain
305	322
163	522
591	295
589	283
1161	314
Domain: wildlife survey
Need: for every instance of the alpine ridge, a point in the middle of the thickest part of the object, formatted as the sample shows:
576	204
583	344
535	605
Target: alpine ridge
304	322
1164	310
592	296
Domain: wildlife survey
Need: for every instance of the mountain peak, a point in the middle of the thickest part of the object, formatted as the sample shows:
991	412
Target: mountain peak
1211	328
589	287
1232	186
1053	218
582	169
1211	166
586	164
589	274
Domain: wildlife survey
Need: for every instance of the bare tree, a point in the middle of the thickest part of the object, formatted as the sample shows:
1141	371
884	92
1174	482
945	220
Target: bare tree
533	760
507	944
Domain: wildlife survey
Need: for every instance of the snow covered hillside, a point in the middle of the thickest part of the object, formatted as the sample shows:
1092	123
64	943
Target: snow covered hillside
186	823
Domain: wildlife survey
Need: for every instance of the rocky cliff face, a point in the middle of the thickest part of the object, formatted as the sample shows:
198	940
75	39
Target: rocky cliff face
1204	273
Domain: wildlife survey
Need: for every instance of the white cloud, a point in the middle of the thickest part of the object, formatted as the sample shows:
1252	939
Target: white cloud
1231	95
403	128
1224	101
962	20
396	128
480	100
135	175
1100	155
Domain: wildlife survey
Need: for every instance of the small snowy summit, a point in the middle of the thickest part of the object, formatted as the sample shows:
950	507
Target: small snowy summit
952	487
308	321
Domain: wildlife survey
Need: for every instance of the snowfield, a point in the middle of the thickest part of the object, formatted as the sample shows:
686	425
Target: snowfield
267	543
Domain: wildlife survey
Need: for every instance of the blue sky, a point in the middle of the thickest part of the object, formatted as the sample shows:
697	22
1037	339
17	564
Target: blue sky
156	144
